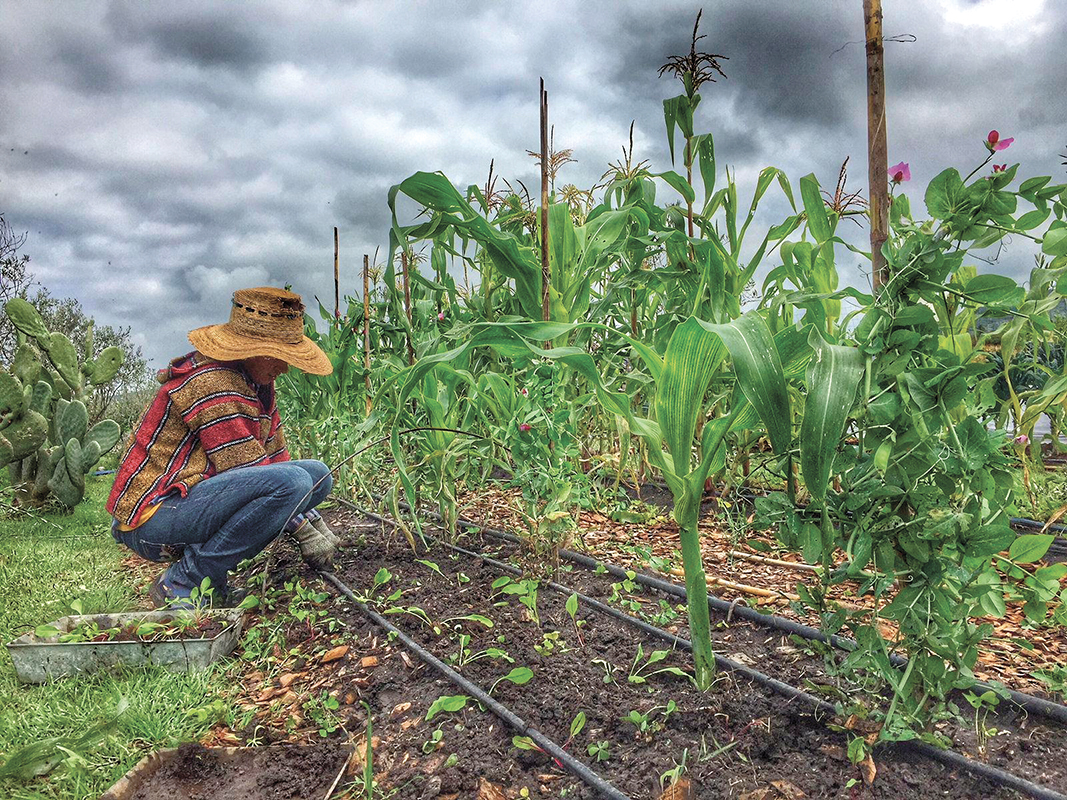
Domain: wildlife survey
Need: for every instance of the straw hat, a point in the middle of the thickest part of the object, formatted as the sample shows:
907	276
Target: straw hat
263	322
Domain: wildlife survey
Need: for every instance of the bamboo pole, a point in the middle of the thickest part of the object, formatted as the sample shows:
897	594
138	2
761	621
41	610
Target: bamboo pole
877	156
336	278
366	329
407	303
546	268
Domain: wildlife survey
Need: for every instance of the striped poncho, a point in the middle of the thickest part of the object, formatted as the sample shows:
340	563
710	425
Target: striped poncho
207	417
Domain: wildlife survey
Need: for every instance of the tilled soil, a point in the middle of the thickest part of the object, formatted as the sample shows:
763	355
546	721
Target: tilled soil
1026	745
735	739
471	756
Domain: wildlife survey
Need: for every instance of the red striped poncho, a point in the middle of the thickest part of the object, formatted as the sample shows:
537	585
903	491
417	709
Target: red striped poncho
207	417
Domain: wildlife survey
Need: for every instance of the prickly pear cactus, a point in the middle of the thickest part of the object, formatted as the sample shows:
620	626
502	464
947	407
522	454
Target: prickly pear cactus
45	437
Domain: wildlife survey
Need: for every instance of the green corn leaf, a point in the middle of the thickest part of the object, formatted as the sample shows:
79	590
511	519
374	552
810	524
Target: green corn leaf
693	354
833	375
815	208
759	374
679	184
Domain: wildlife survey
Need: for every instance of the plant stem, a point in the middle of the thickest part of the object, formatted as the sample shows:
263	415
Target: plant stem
696	587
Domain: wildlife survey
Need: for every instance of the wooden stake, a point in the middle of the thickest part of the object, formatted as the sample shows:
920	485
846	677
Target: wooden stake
366	328
546	268
336	279
407	303
877	156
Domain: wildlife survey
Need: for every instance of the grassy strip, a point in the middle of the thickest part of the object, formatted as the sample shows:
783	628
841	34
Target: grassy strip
46	561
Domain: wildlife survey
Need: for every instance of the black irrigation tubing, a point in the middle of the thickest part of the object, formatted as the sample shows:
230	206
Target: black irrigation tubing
515	722
1027	702
948	757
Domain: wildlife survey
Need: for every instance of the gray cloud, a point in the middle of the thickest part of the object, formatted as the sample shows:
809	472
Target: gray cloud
161	155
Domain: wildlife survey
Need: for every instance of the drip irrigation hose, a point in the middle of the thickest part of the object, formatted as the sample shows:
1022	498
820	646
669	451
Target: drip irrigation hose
947	757
515	722
1028	702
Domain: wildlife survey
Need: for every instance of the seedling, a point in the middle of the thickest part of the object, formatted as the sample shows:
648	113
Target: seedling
608	668
447	704
518	676
676	772
572	610
525	590
647	723
550	642
464	655
640	672
599	751
430	565
381	577
434	743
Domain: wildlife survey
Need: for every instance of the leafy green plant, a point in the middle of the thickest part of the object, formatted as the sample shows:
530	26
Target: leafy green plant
641	669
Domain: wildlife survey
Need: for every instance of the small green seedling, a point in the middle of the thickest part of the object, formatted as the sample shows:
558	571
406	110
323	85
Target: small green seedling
640	672
447	704
599	751
518	675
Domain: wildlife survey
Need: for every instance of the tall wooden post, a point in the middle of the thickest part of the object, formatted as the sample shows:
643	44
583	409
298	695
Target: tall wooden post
366	329
407	302
546	268
877	158
336	279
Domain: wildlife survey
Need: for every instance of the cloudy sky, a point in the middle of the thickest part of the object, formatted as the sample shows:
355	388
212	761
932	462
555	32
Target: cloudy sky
161	155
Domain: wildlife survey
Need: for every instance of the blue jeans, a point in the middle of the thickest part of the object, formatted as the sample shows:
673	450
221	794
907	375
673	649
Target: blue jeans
226	519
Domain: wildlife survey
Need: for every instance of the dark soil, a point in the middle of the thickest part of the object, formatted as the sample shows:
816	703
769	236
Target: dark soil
737	738
276	773
1015	741
473	752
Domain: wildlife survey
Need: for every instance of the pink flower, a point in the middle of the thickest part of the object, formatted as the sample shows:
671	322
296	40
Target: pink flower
524	427
1022	439
994	142
524	392
999	167
440	316
900	173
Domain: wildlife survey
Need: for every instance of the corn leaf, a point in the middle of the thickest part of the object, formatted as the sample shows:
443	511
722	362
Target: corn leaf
693	354
833	375
759	374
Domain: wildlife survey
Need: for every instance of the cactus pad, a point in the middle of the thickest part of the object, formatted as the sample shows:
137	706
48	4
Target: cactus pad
25	365
41	396
11	399
90	455
7	453
72	421
28	434
65	490
105	433
106	366
62	354
26	319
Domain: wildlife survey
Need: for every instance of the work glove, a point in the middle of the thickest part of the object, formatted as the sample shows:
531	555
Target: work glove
316	519
315	548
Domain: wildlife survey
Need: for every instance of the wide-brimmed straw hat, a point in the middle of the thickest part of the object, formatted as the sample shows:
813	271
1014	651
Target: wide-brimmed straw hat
263	322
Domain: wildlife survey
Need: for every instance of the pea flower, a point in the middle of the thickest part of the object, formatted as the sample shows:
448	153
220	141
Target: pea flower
999	167
1022	439
524	427
524	392
440	316
993	142
900	173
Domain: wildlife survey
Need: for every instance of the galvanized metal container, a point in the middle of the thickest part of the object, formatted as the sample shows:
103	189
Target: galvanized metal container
38	660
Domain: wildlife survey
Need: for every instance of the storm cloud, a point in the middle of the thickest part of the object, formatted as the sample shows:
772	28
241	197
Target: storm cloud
161	155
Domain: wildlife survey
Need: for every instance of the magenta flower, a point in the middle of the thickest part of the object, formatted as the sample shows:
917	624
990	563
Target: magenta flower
900	173
524	392
440	316
993	142
999	167
524	427
1022	439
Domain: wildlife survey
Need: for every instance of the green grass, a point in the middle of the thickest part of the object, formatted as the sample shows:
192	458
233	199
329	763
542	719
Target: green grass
46	561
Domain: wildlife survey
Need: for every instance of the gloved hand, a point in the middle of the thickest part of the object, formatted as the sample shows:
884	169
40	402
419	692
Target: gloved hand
320	525
315	548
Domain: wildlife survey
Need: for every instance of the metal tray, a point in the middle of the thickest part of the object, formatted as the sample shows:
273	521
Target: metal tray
39	660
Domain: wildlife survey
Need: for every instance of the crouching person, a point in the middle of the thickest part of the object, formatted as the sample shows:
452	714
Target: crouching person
207	481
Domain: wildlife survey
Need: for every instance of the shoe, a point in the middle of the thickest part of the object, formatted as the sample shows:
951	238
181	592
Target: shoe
169	597
231	599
